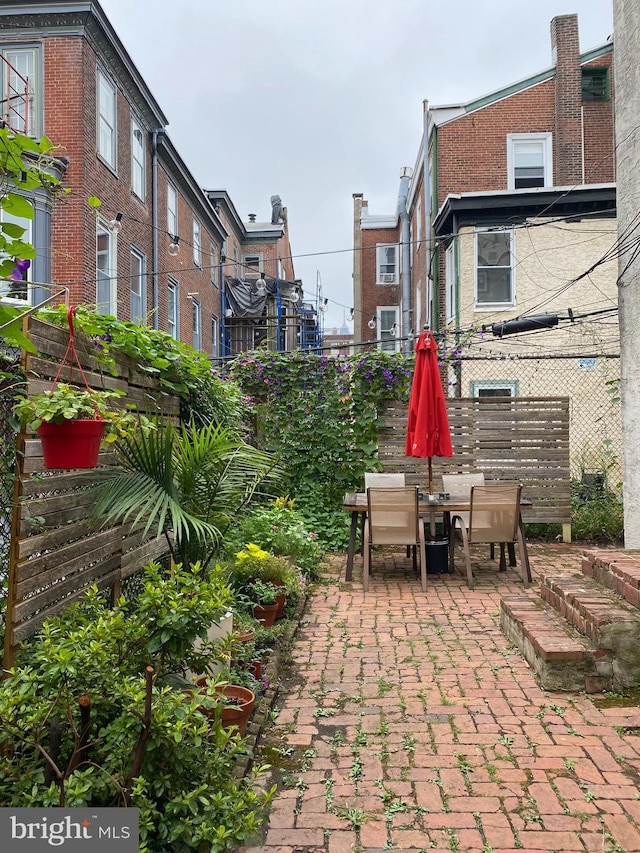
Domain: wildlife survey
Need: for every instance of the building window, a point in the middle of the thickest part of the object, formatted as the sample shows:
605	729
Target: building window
388	325
214	263
251	264
197	244
494	269
16	287
495	388
172	211
105	271
529	160
106	120
138	289
215	335
450	283
595	84
197	324
387	264
22	90
137	159
172	308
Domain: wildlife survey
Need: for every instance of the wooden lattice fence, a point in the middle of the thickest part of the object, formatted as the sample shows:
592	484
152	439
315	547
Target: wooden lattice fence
57	550
516	439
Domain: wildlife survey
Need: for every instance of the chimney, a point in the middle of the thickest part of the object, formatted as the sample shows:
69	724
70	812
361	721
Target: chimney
252	217
567	138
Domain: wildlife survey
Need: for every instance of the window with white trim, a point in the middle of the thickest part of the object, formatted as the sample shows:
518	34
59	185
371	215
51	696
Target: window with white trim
494	270
196	341
450	283
138	291
106	119
529	160
137	159
172	308
197	243
172	210
22	90
106	274
495	388
251	264
215	335
387	263
388	318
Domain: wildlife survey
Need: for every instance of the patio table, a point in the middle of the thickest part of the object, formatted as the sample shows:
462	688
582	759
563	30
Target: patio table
356	504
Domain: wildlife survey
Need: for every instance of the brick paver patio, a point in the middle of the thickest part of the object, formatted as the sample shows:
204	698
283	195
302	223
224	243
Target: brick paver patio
411	723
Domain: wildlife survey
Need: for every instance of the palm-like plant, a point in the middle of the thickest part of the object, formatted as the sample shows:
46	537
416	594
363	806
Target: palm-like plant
185	482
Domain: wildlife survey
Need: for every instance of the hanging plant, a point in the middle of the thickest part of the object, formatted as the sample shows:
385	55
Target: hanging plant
71	422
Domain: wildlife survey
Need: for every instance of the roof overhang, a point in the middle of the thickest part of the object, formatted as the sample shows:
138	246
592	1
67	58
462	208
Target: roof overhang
518	205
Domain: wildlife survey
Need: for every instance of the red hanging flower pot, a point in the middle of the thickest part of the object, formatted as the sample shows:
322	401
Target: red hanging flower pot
71	444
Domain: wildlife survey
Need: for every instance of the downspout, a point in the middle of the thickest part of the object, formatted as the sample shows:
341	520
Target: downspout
154	217
405	242
428	204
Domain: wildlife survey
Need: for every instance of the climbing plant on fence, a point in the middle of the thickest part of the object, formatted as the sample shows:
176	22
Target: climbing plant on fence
319	414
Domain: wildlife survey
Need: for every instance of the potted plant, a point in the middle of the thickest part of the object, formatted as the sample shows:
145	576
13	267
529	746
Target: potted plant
72	422
235	702
265	601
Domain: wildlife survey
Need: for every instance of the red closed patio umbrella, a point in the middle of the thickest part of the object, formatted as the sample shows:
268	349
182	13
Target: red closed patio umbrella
428	425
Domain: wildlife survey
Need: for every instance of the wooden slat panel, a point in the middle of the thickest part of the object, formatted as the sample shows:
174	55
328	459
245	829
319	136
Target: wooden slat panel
522	439
61	550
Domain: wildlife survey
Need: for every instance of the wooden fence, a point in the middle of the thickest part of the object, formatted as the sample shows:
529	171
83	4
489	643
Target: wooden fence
517	439
57	550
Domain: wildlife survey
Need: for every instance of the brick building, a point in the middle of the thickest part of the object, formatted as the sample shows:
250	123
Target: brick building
509	212
153	251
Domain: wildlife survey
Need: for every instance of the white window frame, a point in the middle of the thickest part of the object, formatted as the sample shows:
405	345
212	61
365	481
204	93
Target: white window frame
197	243
512	385
173	309
247	268
386	341
196	324
386	277
215	336
450	282
106	272
138	159
32	56
544	141
492	306
172	210
137	287
107	119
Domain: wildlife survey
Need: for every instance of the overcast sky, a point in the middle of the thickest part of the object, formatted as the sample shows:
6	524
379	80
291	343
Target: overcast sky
314	100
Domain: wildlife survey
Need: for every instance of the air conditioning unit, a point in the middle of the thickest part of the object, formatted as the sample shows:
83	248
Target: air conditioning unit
388	278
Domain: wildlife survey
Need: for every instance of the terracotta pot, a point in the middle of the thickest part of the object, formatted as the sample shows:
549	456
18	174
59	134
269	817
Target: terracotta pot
71	444
236	714
255	668
246	637
281	600
265	614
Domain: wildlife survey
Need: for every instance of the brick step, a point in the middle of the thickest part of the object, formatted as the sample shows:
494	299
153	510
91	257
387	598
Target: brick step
609	622
561	657
616	570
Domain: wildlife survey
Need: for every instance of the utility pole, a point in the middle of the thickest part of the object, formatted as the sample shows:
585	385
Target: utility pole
626	25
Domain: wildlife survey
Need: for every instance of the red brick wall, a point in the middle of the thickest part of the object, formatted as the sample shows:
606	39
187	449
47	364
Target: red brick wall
375	295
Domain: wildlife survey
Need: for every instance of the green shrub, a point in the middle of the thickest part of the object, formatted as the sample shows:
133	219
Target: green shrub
86	719
279	528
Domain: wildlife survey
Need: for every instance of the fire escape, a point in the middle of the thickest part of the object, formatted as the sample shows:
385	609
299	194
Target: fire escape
15	99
